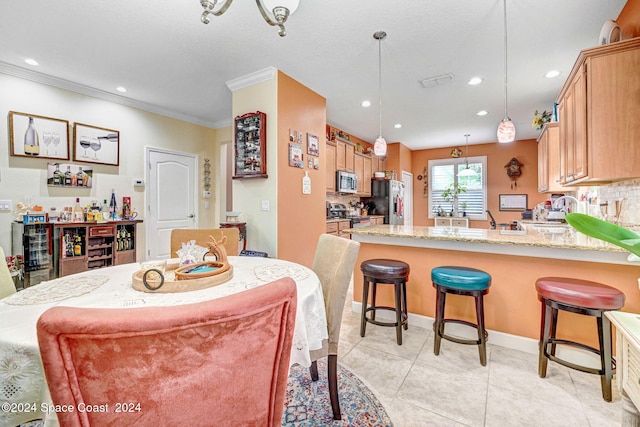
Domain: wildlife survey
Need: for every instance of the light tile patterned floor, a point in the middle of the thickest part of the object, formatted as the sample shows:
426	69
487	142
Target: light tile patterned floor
453	389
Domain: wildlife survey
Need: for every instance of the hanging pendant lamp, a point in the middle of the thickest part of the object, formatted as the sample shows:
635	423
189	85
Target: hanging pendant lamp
506	130
380	146
467	171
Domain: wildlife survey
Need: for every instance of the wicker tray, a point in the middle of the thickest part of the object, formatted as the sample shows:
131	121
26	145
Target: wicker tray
172	284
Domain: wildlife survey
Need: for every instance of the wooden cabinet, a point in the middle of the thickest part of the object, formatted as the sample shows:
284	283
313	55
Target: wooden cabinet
358	166
331	168
80	247
344	155
336	227
549	160
376	220
599	108
451	222
367	175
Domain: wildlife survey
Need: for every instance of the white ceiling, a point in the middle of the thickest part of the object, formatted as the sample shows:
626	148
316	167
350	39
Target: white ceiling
173	64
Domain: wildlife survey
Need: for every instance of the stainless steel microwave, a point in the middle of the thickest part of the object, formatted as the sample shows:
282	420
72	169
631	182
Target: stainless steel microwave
346	182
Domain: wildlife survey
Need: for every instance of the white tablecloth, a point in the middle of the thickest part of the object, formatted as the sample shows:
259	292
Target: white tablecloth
21	376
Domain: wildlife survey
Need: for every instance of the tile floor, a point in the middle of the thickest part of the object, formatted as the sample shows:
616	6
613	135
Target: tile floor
453	389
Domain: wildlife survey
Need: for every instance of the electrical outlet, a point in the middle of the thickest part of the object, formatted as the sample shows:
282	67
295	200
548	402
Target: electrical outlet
5	205
265	205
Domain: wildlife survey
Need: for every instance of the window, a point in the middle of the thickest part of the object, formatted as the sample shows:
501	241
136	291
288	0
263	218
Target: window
444	172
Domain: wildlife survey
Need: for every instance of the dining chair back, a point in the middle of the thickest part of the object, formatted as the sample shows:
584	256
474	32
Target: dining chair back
219	362
201	236
7	287
333	263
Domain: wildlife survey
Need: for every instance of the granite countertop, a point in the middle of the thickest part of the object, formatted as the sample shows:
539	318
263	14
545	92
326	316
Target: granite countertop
552	237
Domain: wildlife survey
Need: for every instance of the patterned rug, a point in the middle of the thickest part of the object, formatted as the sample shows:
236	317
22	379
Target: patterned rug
307	402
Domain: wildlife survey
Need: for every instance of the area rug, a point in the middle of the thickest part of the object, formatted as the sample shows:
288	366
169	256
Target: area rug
307	402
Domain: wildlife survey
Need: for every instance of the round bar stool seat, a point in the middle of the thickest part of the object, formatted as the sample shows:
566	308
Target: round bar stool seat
385	271
460	281
581	297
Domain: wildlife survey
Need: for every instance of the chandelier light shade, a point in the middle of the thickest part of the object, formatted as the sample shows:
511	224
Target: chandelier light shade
467	171
380	146
506	130
274	12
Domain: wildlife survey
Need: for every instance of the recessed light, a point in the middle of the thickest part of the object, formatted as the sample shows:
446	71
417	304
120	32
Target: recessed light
482	113
366	103
474	81
121	89
551	74
31	61
397	126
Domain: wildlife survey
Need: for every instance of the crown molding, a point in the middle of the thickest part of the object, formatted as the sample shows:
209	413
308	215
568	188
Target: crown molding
46	79
251	79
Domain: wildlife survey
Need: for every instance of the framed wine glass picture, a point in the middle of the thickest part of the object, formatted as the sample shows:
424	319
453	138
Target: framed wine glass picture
92	144
37	136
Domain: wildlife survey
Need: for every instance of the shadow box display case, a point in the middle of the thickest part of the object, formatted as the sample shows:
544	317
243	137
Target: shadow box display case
250	148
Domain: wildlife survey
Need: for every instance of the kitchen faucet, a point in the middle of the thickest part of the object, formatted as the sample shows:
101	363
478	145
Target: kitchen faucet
555	204
492	224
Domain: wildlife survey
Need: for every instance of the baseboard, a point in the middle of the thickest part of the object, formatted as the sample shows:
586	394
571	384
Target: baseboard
502	339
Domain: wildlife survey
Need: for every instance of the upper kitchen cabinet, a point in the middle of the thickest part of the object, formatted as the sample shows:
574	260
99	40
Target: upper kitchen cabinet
599	107
549	160
345	155
331	167
362	166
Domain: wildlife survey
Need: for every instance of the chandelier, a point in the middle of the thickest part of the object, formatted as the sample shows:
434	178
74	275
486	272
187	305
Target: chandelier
380	146
506	129
274	12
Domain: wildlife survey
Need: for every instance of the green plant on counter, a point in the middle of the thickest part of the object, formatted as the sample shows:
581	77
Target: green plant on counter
603	230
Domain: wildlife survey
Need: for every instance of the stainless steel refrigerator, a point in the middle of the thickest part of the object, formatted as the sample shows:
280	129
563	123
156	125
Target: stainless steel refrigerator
388	196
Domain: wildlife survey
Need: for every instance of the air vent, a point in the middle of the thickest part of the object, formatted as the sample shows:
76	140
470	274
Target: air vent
437	80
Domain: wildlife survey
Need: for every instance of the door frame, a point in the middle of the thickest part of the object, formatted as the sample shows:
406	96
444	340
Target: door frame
147	161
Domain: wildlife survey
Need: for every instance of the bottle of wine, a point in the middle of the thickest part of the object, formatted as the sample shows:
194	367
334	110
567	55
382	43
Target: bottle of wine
78	214
67	176
31	140
113	206
58	176
80	177
77	248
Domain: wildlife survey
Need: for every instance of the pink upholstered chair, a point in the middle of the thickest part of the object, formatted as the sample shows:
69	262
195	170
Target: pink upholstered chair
333	263
219	362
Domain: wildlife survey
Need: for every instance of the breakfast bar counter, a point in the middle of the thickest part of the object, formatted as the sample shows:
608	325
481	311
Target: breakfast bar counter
514	259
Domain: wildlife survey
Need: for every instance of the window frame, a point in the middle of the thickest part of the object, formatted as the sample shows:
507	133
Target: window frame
455	162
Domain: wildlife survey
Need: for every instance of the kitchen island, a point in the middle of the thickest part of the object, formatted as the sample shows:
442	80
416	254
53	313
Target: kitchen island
514	258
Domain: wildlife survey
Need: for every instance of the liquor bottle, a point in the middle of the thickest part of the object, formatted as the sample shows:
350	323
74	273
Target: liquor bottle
126	207
77	248
129	241
113	206
105	210
80	177
67	176
68	245
31	140
58	177
78	214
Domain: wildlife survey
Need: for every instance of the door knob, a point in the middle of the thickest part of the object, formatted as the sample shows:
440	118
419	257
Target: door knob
192	216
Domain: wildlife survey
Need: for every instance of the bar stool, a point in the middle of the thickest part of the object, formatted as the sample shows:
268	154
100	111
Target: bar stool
460	281
385	271
581	297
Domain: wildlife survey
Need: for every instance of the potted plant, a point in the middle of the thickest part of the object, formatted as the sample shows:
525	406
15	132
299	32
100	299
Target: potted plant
451	193
463	206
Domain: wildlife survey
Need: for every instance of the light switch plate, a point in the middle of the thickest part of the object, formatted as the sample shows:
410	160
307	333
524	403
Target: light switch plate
265	205
5	205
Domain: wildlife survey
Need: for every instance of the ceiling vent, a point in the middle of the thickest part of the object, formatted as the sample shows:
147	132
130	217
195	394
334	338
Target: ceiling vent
437	80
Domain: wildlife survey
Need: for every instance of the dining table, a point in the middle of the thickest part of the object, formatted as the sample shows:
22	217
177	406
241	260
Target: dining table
24	394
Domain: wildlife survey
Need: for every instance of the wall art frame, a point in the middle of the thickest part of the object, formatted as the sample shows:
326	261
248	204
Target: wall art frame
69	175
93	144
52	135
296	158
250	146
313	145
513	202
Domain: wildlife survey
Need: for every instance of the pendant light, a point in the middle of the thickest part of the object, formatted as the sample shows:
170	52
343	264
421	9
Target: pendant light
506	130
467	171
380	146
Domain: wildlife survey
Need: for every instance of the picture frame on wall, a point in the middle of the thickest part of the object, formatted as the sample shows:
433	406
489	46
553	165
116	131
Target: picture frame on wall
313	145
68	175
295	156
513	202
93	144
35	136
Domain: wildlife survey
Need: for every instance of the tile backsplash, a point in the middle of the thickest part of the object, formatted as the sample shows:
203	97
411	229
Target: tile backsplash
628	192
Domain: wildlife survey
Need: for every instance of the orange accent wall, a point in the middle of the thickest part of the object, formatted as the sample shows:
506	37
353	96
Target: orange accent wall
512	304
399	158
498	155
301	217
629	19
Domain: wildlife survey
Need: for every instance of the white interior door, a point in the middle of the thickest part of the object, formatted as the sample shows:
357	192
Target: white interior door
407	179
171	196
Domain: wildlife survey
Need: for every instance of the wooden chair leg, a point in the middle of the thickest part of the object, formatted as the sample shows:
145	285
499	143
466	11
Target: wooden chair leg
398	294
313	370
542	359
438	326
332	374
365	303
604	338
404	303
482	348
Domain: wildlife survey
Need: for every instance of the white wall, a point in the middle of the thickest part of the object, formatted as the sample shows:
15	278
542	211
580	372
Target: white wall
262	226
20	176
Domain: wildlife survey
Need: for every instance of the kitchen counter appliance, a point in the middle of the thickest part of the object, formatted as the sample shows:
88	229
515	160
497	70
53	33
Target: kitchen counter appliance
337	210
